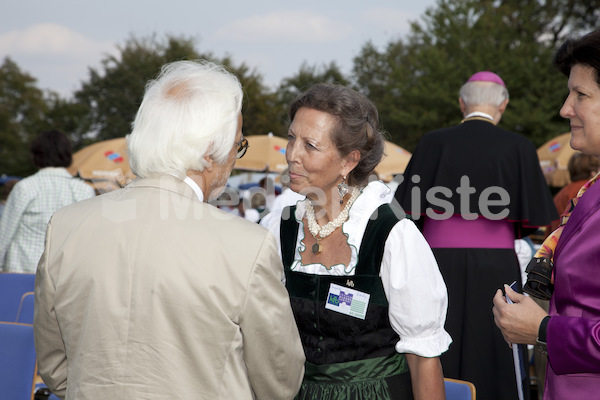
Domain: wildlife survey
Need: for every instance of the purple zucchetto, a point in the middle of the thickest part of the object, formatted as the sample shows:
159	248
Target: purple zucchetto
486	76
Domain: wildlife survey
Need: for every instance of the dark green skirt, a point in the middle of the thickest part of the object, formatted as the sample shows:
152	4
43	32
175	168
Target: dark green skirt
381	378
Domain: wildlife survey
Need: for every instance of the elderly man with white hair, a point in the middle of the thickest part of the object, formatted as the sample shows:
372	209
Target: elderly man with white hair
150	292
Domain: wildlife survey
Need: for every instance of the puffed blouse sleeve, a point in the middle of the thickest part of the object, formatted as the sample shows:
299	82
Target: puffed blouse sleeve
416	292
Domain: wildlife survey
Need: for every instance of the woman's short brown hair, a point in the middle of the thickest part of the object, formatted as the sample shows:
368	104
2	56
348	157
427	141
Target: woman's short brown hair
357	125
582	167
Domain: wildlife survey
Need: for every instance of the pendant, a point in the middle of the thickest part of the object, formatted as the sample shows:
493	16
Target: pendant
316	248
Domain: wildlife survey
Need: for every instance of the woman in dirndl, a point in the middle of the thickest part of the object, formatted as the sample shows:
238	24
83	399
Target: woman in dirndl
367	294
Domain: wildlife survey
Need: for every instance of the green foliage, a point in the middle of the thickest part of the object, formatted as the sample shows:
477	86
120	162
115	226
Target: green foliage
68	116
22	116
306	76
112	96
260	105
415	83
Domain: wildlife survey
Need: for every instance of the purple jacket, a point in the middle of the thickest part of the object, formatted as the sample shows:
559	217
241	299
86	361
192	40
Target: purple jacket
573	334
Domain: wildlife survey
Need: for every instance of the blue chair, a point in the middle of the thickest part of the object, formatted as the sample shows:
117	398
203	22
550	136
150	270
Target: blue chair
25	316
457	389
12	288
25	313
17	361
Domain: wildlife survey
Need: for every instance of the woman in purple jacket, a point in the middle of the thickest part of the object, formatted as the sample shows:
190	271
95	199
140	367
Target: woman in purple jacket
570	255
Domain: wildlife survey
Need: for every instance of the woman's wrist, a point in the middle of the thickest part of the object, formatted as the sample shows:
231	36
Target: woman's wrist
542	334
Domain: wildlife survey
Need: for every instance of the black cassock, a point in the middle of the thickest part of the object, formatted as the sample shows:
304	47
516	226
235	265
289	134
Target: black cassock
493	160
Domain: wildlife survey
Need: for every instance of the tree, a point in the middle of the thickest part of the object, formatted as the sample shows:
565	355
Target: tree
260	108
415	82
68	116
22	116
307	75
112	95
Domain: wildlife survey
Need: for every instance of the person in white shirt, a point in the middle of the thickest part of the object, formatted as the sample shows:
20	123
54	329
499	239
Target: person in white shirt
33	200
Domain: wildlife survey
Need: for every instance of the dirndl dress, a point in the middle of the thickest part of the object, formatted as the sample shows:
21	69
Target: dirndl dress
347	357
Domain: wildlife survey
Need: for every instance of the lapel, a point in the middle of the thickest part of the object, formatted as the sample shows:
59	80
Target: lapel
587	205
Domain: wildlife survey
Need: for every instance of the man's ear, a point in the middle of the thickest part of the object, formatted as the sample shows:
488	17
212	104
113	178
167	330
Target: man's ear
209	163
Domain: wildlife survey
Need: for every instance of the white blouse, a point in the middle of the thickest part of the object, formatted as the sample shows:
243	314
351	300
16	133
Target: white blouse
413	284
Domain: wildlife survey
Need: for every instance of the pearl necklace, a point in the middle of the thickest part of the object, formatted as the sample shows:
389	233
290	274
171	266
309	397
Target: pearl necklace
321	232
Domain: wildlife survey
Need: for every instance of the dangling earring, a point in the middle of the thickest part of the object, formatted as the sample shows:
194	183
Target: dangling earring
342	189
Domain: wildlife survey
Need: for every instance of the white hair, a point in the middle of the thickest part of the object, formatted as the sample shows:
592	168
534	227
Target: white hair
188	112
483	93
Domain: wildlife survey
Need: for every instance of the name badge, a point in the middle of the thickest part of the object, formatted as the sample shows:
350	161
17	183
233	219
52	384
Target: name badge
347	301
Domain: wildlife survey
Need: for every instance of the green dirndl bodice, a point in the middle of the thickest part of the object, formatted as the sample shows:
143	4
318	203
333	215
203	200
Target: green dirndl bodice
347	358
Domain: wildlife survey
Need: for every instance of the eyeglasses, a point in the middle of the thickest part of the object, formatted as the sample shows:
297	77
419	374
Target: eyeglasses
242	146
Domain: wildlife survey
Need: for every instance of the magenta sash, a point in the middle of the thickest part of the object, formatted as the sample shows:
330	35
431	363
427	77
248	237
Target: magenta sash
456	232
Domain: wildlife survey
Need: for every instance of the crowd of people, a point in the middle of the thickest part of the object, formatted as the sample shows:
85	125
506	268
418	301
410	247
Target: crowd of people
337	288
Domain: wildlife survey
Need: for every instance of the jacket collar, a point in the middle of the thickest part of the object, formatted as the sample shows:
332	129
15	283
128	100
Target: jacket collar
164	182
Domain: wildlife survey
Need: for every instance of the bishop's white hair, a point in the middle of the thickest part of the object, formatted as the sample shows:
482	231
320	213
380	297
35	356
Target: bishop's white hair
483	93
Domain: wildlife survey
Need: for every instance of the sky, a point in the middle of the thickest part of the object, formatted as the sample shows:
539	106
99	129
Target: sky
58	41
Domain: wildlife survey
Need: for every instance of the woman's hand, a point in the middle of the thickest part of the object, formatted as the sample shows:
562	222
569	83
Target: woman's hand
519	322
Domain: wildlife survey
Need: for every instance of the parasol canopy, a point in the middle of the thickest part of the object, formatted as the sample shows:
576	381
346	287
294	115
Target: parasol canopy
394	161
104	164
266	153
554	158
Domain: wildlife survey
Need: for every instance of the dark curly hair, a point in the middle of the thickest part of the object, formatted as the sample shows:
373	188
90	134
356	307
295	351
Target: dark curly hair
357	126
51	149
584	50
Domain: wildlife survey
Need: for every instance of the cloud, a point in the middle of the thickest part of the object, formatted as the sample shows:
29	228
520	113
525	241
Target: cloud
391	20
286	26
56	56
51	39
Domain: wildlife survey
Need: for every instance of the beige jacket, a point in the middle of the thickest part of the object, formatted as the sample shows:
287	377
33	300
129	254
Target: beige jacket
148	293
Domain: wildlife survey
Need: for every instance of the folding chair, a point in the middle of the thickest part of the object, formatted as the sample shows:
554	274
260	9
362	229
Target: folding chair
12	288
17	361
457	389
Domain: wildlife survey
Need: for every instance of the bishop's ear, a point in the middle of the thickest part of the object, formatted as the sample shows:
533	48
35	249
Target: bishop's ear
502	107
463	107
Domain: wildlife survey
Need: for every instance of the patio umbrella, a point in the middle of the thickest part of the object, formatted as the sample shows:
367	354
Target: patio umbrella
104	164
554	157
265	154
395	160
